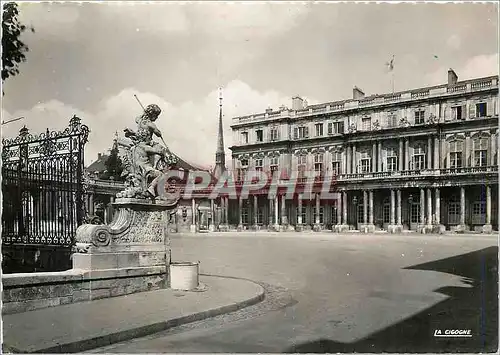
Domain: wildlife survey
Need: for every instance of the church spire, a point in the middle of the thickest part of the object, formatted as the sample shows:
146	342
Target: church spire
220	155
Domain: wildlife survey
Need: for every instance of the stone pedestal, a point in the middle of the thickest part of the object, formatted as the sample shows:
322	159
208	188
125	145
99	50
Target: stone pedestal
395	228
211	228
487	228
299	228
461	228
136	238
239	228
341	228
317	228
192	228
224	228
367	228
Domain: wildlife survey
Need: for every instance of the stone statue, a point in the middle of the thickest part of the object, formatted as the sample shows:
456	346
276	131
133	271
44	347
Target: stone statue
144	160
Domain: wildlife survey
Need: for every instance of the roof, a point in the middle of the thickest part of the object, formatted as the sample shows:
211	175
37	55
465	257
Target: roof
99	165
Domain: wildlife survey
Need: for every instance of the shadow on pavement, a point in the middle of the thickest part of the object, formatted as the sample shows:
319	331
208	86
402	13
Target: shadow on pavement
474	307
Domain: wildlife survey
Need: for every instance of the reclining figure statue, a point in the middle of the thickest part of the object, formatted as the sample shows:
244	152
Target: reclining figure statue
144	160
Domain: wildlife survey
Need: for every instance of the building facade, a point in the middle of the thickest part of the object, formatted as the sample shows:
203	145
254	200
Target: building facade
423	160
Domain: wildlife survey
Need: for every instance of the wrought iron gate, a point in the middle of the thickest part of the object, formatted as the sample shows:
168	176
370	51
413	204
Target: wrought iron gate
42	187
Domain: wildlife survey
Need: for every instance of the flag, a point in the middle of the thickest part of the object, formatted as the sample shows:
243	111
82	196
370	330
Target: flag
390	65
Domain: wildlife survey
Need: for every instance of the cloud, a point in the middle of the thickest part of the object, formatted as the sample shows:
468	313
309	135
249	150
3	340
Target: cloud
51	19
475	67
454	42
190	128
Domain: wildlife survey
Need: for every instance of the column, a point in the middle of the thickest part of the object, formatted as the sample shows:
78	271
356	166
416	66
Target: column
284	217
348	160
488	204
270	212
429	206
193	211
371	207
240	211
212	218
400	156
437	158
299	215
462	206
317	209
467	150
354	160
344	207
492	149
276	216
365	207
407	154
422	206
379	158
393	208
429	153
398	210
374	156
255	208
438	207
91	204
339	211
226	208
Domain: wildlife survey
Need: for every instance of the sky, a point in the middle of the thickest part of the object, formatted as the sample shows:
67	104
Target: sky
89	59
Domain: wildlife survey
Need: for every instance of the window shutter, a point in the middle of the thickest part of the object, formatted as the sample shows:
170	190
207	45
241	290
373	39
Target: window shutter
447	114
278	133
341	127
295	133
330	128
489	108
472	110
495	106
307	132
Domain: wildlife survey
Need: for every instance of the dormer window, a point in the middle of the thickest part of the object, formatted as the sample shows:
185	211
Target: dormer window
420	117
259	135
244	137
481	109
366	123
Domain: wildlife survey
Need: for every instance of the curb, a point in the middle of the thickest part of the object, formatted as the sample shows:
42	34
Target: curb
129	334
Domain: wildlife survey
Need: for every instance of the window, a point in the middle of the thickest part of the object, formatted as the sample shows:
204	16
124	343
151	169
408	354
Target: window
361	212
302	213
420	117
300	132
456	151
392	159
479	212
335	128
260	135
366	123
391	120
336	162
365	163
454	212
321	219
458	113
319	129
244	215
415	212
480	151
274	164
260	215
386	212
244	163
242	170
258	164
318	162
418	158
274	134
481	109
244	137
301	166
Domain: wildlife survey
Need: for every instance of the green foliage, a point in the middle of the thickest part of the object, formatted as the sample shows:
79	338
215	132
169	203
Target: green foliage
114	166
13	49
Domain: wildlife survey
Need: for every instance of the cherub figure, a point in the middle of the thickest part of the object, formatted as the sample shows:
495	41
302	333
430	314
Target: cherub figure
147	158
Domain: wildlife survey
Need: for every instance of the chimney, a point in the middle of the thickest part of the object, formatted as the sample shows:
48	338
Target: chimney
297	103
357	93
452	77
269	110
99	155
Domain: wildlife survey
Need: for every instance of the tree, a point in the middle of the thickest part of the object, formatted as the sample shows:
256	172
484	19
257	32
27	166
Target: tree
13	49
114	166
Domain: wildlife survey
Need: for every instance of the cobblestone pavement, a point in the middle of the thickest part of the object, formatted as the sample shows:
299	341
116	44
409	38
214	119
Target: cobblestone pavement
343	293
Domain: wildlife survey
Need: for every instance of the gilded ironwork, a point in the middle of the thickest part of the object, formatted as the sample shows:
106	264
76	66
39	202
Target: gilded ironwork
42	186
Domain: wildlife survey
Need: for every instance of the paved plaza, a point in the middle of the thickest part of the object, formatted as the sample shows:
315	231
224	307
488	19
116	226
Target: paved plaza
347	293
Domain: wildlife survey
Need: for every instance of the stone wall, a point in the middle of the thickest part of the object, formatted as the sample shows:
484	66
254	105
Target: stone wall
26	292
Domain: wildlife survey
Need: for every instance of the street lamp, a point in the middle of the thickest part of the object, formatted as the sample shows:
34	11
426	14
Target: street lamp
355	201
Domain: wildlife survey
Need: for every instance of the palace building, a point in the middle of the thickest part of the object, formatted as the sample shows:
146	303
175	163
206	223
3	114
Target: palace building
423	160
